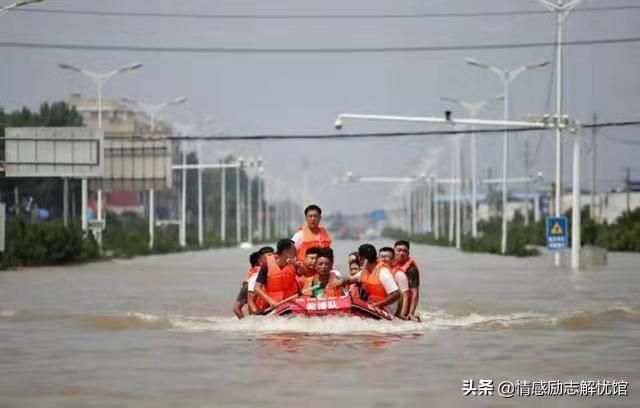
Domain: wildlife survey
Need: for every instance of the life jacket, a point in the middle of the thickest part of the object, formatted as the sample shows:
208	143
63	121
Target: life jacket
313	281
309	240
281	282
371	282
404	267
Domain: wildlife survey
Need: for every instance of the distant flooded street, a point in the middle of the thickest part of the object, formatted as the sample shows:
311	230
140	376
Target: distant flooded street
159	332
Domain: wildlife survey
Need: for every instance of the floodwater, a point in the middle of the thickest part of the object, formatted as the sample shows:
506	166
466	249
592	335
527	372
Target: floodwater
159	332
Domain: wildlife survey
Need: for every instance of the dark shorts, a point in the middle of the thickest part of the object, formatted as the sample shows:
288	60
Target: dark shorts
413	276
242	295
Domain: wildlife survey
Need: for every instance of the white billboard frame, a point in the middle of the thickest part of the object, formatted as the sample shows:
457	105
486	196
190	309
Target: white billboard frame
67	152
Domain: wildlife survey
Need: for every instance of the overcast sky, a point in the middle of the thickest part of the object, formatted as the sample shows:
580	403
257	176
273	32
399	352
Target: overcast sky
301	93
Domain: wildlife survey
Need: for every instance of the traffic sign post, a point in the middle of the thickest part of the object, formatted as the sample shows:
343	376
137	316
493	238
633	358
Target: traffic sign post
557	233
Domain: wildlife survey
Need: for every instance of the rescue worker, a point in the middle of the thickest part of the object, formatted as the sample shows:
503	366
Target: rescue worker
307	269
387	255
251	286
277	280
311	234
405	263
375	277
241	299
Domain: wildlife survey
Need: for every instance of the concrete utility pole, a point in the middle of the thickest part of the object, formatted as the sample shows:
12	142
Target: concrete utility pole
562	10
594	152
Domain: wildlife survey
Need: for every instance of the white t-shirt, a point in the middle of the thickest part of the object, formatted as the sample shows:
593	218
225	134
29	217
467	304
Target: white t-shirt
252	283
386	279
402	281
297	238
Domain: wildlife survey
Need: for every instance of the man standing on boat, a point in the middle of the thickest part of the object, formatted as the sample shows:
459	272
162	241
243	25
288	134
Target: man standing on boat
311	234
403	263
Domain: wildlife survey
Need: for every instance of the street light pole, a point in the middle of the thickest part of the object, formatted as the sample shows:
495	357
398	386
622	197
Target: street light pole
238	203
99	79
249	203
506	76
260	200
436	213
474	109
223	203
562	11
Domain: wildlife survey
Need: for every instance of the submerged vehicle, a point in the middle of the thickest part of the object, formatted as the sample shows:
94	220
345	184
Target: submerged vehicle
332	306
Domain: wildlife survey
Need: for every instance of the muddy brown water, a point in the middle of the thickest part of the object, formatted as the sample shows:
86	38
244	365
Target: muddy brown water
159	332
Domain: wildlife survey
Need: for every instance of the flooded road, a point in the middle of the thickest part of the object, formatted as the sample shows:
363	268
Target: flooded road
159	332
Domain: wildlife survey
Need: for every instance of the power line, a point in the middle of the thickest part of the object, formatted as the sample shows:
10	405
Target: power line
370	50
311	16
326	136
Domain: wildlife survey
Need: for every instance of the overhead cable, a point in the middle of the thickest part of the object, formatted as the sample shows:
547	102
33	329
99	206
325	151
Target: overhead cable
294	50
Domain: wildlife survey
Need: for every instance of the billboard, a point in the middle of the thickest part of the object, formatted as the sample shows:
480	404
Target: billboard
135	164
74	152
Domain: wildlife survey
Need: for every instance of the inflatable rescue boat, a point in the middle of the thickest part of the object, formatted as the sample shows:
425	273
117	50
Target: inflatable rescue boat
332	306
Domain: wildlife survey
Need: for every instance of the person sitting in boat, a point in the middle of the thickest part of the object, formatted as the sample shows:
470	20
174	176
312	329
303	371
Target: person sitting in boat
387	255
251	286
318	285
375	277
241	299
405	263
311	234
277	280
307	269
354	269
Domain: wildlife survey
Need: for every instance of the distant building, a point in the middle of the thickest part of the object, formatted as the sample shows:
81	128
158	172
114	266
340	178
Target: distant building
118	118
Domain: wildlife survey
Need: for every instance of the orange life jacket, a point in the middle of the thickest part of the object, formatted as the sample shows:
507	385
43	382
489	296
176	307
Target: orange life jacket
308	284
335	291
371	282
281	282
309	240
404	267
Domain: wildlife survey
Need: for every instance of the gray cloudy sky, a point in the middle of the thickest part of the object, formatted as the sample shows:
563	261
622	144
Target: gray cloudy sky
275	93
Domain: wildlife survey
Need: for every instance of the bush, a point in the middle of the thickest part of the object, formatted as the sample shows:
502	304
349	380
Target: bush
45	244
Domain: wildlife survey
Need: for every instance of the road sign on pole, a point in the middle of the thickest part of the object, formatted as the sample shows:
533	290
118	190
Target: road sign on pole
557	233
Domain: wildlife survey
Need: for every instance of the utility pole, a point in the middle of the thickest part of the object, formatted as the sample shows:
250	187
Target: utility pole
628	189
526	185
561	10
594	146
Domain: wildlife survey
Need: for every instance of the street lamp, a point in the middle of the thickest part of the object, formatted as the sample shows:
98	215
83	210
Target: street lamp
152	111
506	76
474	109
17	4
99	79
562	10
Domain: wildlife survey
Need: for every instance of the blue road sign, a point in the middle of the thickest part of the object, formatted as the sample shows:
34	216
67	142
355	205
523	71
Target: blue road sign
557	233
